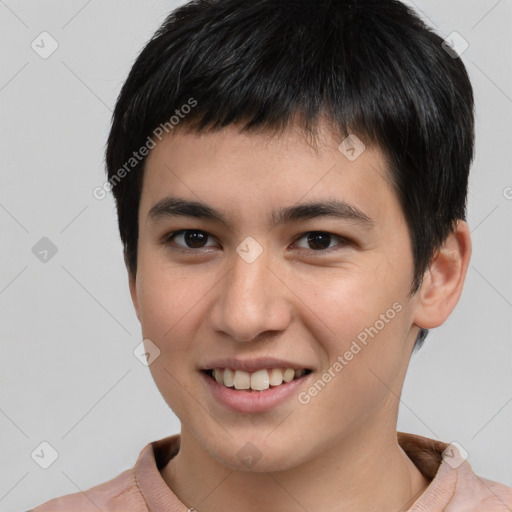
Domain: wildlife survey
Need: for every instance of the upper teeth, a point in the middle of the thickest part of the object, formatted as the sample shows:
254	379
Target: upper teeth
259	380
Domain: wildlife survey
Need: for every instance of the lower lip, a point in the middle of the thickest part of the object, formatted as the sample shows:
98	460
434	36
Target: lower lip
253	401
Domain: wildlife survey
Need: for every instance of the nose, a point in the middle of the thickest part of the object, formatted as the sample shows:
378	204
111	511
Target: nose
252	300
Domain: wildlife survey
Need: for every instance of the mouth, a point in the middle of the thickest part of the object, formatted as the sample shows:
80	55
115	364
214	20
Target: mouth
260	380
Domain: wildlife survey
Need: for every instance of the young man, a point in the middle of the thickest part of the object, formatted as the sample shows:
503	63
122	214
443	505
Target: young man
291	183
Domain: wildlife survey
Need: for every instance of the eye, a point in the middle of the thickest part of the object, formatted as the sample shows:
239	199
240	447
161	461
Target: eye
191	238
195	239
320	241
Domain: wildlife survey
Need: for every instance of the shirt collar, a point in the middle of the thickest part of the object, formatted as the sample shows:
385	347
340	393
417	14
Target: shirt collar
425	453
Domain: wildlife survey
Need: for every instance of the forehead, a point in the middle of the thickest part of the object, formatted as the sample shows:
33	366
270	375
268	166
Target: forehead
250	175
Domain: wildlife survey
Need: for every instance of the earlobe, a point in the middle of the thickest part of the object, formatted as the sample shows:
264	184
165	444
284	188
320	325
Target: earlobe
443	281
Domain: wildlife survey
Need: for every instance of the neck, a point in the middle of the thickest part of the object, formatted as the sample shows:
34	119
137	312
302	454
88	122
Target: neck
360	473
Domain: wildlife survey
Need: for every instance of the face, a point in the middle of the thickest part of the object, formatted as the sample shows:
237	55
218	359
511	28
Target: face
254	281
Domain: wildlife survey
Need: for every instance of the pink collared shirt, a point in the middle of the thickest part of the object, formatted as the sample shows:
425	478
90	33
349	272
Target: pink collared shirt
454	487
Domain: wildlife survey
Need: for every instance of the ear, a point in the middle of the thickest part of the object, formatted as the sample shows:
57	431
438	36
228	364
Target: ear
443	281
132	283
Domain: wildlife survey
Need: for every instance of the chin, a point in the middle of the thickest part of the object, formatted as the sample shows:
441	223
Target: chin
259	454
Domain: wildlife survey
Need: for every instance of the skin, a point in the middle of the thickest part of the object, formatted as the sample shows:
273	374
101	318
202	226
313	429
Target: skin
198	304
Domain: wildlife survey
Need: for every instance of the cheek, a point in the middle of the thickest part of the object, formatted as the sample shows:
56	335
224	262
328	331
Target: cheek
168	296
358	315
347	300
359	323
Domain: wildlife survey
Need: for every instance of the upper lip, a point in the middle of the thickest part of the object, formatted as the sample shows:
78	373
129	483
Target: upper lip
253	365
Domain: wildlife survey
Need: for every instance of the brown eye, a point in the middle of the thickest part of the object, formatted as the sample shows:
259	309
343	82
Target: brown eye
190	238
320	240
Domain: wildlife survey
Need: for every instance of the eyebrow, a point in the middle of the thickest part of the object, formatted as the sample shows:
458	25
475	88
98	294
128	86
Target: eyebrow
170	207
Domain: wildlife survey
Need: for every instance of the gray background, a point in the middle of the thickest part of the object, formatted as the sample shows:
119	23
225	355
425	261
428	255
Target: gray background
68	374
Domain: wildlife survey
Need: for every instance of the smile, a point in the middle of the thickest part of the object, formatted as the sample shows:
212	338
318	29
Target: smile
260	380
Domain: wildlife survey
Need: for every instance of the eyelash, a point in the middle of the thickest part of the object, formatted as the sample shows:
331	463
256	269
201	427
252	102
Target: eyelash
168	240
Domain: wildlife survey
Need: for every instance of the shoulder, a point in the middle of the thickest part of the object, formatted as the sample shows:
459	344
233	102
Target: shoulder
454	486
119	494
489	495
130	490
